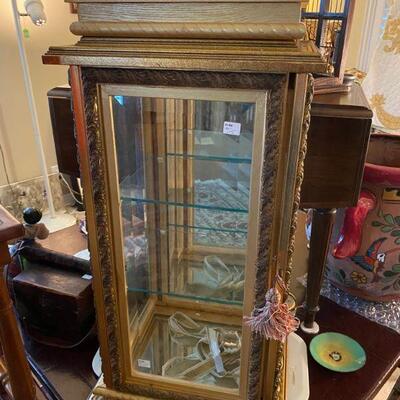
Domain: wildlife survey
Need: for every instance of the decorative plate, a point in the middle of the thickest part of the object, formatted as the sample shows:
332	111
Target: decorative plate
337	352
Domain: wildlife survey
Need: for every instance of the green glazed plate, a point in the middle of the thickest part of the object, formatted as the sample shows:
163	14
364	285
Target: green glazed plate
337	352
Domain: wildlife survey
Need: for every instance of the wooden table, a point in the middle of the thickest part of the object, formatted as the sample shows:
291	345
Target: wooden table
337	146
67	241
381	344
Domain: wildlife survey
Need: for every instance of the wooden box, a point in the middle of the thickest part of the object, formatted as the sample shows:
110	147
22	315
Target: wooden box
56	305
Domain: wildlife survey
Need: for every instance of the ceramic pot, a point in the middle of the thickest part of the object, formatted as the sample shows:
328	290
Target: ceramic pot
364	258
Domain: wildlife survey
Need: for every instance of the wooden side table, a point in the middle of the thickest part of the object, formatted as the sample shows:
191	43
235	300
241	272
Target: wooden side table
337	146
382	347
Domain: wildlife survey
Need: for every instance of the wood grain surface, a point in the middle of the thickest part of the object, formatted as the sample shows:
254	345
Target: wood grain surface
337	147
10	228
194	12
382	347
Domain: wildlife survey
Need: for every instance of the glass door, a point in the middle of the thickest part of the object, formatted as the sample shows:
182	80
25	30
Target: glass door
184	167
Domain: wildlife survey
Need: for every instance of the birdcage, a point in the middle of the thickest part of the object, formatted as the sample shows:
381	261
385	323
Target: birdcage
327	23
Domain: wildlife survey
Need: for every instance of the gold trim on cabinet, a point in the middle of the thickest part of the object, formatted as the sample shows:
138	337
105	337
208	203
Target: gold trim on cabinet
184	54
259	98
221	48
189	30
275	86
279	381
185	1
104	393
105	321
309	94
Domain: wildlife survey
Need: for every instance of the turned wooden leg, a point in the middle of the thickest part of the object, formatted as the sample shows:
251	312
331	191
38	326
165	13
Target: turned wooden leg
322	223
18	370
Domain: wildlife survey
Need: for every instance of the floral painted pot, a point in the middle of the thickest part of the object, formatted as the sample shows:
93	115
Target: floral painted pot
364	258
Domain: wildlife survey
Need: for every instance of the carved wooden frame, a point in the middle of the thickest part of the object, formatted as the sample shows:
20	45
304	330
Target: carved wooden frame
276	85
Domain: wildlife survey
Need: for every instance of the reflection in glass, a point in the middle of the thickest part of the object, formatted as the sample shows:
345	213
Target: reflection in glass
183	348
184	182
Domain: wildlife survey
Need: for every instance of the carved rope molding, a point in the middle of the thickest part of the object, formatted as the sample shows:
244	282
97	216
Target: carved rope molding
186	30
274	85
299	175
299	180
97	172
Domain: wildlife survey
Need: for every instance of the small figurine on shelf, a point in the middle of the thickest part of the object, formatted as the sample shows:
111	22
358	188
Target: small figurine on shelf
34	229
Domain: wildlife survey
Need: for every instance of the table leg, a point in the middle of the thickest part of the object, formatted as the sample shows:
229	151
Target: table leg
322	223
18	369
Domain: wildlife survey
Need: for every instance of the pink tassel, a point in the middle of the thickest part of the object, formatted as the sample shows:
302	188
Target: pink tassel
274	320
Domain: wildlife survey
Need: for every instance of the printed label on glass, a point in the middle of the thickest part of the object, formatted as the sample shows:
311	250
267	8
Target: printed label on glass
232	128
144	363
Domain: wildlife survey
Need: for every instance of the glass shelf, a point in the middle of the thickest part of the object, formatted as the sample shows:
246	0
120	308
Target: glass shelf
232	159
211	194
213	228
186	296
206	273
216	143
174	355
207	228
185	205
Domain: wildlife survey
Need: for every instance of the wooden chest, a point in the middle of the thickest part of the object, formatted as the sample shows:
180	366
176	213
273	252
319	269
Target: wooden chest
56	305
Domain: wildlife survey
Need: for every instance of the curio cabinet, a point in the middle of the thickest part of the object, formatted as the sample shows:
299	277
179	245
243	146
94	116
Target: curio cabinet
191	121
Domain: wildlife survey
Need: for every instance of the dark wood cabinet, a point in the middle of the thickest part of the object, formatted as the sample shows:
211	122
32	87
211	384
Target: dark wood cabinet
337	146
62	122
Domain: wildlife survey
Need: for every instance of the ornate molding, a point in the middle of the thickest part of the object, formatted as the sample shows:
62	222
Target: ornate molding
299	175
279	371
103	393
102	225
274	84
190	30
191	54
182	1
273	127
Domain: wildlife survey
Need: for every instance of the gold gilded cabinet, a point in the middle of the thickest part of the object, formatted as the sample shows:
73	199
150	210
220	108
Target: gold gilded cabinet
191	121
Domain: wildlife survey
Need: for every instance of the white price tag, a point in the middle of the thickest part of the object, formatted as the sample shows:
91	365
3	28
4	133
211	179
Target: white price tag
232	128
144	363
